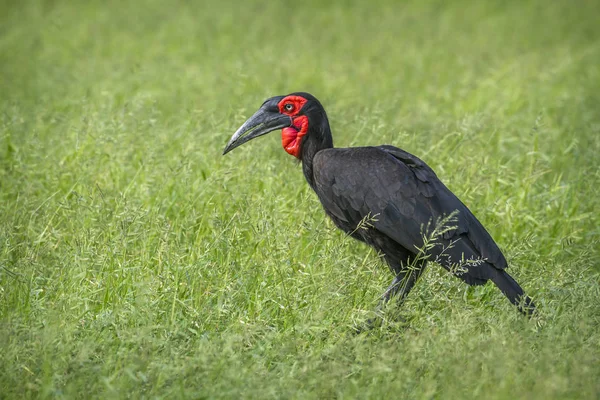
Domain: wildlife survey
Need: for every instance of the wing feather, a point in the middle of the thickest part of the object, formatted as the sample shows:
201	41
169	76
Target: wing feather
405	195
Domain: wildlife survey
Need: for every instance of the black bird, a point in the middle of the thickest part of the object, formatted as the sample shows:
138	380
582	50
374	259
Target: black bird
387	198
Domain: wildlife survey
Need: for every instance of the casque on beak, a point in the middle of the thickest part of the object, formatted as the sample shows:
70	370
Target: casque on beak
265	120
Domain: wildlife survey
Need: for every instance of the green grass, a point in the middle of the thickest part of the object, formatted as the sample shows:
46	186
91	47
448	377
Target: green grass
136	261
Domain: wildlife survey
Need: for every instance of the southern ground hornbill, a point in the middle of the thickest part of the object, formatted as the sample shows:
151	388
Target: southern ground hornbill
386	198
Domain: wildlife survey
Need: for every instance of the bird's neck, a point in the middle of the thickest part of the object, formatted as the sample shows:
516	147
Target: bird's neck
312	143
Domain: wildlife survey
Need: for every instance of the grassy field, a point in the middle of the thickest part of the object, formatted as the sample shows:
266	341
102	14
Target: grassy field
137	262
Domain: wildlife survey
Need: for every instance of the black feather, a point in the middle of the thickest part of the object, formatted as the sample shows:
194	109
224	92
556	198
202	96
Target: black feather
393	201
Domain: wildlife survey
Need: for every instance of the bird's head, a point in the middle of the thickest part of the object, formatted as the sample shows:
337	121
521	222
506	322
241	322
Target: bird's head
298	115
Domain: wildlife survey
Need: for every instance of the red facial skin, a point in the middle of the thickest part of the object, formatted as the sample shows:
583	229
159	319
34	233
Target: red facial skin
291	137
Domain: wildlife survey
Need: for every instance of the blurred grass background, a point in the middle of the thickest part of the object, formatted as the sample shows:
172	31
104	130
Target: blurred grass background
135	261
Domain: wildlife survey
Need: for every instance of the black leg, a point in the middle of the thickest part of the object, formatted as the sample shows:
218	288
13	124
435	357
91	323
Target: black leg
403	282
401	285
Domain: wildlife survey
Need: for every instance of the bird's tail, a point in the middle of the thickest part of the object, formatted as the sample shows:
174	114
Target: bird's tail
514	292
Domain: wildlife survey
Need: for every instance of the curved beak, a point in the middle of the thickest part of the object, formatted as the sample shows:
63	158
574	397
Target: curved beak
265	120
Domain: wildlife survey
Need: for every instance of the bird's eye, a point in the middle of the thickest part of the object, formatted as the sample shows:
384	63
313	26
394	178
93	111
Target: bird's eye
289	107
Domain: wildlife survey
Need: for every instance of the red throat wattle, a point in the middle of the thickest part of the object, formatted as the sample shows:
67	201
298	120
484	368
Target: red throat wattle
291	137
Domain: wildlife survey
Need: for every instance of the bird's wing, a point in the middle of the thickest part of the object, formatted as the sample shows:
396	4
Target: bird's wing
402	195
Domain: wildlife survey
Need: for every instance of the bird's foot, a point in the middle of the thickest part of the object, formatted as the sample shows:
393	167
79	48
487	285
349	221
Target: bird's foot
367	325
379	321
